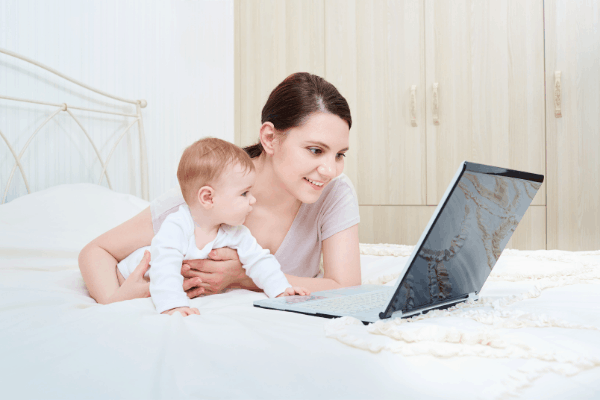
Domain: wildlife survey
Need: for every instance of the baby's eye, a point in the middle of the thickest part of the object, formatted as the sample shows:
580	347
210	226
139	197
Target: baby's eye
244	194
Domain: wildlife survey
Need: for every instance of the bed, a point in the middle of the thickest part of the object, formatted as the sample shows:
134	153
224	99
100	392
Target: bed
535	332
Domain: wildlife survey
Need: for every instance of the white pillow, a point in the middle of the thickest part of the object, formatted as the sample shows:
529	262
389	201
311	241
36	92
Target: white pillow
63	218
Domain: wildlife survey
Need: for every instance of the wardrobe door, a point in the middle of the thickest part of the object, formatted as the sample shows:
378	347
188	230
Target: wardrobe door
485	88
485	96
374	55
573	123
273	39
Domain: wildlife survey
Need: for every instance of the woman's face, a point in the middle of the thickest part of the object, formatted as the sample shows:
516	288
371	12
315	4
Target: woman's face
312	155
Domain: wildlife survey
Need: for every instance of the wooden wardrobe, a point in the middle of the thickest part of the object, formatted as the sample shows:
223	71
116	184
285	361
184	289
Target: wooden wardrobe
431	83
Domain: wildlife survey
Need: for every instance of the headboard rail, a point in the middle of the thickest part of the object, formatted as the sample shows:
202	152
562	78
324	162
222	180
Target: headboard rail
137	118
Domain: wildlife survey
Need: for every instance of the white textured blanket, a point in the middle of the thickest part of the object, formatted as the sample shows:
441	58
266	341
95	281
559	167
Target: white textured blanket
534	334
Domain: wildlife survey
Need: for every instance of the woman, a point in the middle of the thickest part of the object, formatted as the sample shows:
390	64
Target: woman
304	205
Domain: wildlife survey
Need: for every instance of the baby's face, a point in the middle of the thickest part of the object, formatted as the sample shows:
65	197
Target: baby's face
232	199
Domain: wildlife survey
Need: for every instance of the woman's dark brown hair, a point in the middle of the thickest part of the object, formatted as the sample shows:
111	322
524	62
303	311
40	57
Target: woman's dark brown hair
294	99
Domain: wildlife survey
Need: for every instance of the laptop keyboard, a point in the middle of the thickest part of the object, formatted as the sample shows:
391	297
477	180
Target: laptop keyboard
352	304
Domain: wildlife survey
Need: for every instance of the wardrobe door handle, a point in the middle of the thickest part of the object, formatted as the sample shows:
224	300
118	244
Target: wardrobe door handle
413	105
557	95
436	116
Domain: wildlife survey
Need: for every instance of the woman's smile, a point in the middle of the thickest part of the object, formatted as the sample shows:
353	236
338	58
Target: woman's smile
313	185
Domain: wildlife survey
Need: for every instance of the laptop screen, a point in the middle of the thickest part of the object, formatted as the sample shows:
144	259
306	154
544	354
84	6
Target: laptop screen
471	230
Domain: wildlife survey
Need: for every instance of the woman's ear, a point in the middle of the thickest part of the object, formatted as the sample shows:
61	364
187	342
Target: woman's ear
267	137
205	197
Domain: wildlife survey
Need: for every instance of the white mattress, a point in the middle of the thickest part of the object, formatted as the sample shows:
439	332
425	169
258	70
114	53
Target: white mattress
57	343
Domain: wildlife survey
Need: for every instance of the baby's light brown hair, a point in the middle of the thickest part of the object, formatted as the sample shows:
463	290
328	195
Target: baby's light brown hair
203	163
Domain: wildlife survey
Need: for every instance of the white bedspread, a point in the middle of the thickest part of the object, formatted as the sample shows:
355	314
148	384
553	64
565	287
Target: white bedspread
57	343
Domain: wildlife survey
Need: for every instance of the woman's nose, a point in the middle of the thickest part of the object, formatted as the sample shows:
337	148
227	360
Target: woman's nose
327	169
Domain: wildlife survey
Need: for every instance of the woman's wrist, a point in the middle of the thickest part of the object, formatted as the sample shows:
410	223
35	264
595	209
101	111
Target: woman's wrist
242	281
313	284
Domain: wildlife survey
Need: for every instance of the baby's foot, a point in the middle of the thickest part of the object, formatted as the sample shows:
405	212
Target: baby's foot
185	311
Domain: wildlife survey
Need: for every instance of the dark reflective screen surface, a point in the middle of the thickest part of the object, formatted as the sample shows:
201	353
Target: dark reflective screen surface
465	242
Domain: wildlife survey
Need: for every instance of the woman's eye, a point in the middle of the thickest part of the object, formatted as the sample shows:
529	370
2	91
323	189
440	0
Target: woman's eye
317	151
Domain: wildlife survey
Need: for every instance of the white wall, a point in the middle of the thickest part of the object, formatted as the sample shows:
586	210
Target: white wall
177	55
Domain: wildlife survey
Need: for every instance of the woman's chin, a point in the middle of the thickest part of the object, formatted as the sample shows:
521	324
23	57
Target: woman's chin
309	198
305	193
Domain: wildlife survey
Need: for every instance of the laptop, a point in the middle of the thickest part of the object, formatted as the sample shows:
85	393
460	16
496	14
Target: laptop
456	253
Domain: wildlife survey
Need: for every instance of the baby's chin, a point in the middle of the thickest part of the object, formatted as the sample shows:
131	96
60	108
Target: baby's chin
236	223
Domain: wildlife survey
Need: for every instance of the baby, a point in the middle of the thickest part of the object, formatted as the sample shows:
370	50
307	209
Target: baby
215	177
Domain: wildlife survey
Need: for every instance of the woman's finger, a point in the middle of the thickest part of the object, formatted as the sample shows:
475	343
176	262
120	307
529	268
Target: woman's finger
191	283
192	294
194	264
191	273
185	268
222	254
219	267
143	265
187	271
208	288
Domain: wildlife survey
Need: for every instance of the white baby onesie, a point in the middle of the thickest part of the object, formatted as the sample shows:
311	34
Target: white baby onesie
175	242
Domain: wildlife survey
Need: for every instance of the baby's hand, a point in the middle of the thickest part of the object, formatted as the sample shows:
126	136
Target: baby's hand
295	290
185	311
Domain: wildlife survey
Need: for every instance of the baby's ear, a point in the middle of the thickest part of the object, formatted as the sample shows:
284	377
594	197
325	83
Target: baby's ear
205	197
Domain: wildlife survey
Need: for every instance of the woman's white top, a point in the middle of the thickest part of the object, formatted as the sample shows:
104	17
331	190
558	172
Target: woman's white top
175	242
300	252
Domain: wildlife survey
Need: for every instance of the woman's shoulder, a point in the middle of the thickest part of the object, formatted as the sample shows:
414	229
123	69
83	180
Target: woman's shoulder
170	198
344	184
340	187
336	210
178	221
338	201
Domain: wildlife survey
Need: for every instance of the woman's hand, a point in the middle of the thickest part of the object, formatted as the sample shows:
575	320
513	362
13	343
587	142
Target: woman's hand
291	291
211	276
135	286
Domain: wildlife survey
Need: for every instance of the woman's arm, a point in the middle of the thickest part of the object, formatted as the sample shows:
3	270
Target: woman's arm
99	258
341	261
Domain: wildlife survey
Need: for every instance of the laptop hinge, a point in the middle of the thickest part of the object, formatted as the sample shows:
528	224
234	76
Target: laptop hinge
473	296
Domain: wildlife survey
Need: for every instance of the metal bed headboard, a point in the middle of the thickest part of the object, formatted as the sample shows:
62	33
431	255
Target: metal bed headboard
137	117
